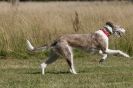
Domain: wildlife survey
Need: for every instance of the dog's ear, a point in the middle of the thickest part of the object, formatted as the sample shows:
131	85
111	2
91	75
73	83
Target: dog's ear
110	24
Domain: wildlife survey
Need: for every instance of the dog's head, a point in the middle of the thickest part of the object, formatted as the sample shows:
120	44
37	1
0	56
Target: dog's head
115	29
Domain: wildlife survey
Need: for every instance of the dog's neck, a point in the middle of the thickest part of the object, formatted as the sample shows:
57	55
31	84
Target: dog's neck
107	30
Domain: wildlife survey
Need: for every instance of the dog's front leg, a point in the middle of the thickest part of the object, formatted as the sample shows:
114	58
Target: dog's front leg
109	51
104	56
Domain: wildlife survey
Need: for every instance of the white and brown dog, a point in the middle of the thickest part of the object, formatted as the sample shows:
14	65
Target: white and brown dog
97	41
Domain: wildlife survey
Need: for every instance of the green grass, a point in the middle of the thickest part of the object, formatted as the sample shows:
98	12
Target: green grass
117	72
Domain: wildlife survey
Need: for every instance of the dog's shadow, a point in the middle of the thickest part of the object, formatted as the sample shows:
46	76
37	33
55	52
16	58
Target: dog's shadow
33	73
60	72
38	72
55	72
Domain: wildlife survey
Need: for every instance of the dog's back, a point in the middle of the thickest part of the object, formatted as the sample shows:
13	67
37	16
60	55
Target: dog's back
84	41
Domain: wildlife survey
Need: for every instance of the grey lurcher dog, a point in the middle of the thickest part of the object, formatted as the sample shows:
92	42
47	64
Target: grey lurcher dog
97	41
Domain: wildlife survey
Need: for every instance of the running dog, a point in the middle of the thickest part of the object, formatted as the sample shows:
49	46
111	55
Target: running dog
98	41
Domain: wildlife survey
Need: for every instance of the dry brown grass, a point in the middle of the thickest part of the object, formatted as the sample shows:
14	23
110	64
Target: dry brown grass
43	22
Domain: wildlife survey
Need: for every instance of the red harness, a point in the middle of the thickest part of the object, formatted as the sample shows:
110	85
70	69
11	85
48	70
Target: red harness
105	32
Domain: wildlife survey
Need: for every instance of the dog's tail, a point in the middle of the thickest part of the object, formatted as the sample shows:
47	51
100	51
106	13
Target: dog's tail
31	48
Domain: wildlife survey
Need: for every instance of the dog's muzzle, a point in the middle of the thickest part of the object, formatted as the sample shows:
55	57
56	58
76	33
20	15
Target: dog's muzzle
119	32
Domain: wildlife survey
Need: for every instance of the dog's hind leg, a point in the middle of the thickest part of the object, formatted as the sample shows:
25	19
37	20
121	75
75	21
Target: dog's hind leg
69	59
52	57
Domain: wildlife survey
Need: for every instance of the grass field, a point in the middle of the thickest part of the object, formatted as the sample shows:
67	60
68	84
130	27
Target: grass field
41	23
25	73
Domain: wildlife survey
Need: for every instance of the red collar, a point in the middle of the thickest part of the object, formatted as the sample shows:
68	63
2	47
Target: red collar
105	32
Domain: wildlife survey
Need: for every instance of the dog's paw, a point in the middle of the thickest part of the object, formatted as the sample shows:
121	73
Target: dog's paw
128	56
101	61
73	72
43	66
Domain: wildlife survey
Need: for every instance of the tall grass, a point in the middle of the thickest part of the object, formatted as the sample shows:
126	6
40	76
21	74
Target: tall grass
41	23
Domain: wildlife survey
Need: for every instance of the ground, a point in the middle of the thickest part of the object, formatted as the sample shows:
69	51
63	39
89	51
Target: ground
116	72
